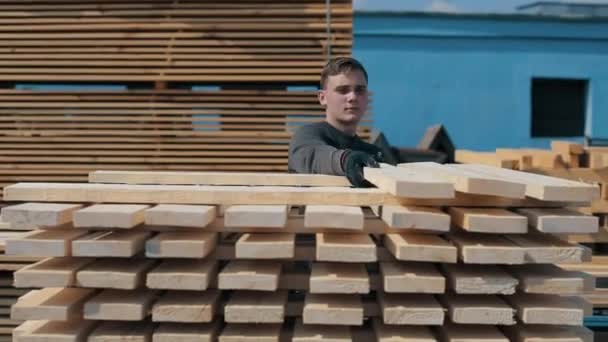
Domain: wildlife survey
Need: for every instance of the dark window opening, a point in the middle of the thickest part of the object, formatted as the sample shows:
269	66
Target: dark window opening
558	107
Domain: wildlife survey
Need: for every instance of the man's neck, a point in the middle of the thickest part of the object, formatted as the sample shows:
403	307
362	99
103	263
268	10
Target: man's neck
348	130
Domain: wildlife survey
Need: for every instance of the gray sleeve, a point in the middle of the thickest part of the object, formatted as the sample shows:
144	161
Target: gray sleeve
308	153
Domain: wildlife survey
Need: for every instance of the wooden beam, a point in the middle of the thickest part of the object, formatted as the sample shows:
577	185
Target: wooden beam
550	279
548	333
470	333
188	274
124	244
420	247
404	183
120	305
478	309
345	248
488	220
265	246
560	220
479	279
53	304
187	244
120	331
170	332
271	216
548	249
409	277
256	307
250	275
115	273
332	309
477	248
319	333
216	178
417	218
410	309
56	331
110	216
50	272
549	309
44	243
186	306
250	333
339	278
192	216
334	216
39	214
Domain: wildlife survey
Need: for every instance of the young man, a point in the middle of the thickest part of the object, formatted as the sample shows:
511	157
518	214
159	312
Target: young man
332	147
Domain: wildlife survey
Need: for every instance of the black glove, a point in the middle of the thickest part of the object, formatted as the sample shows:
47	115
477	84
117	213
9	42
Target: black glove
353	163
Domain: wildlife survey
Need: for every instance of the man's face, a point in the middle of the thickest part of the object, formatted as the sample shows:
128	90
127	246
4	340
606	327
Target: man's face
345	97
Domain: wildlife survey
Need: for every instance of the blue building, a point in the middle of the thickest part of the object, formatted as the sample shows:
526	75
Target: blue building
515	80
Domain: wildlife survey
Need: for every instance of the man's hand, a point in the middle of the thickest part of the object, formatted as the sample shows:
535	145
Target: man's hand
353	163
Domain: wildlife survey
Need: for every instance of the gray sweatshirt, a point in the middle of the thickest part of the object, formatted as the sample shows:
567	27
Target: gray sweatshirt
318	148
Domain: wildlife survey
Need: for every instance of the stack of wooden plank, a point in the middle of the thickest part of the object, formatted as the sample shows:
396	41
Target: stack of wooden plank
167	41
210	85
62	136
436	252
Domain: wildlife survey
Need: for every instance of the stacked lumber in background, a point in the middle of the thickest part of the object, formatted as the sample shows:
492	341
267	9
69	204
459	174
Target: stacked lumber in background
436	252
62	136
160	84
168	41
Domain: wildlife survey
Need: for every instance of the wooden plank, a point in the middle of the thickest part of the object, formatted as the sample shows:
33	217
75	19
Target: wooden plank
58	331
120	305
548	249
549	309
272	216
185	332
478	309
469	181
250	333
560	220
265	246
476	248
479	279
550	279
485	158
250	275
408	277
345	248
332	309
44	243
121	331
39	214
50	272
181	245
127	274
186	306
339	278
242	195
53	304
182	275
488	220
110	216
334	216
470	333
123	244
319	333
544	333
26	328
256	307
404	183
216	178
542	187
420	247
410	309
418	218
192	216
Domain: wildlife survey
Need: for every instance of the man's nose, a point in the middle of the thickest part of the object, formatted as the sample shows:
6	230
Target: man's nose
351	96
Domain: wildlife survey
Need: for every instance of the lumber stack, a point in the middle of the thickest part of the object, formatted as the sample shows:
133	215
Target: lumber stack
435	253
62	136
172	41
574	162
160	84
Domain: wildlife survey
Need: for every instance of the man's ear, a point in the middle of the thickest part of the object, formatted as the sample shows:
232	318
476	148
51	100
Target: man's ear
321	96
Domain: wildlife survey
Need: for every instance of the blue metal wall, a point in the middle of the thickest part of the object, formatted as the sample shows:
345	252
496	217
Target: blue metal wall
473	73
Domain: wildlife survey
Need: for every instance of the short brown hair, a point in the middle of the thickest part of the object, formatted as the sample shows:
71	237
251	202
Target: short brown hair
340	65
